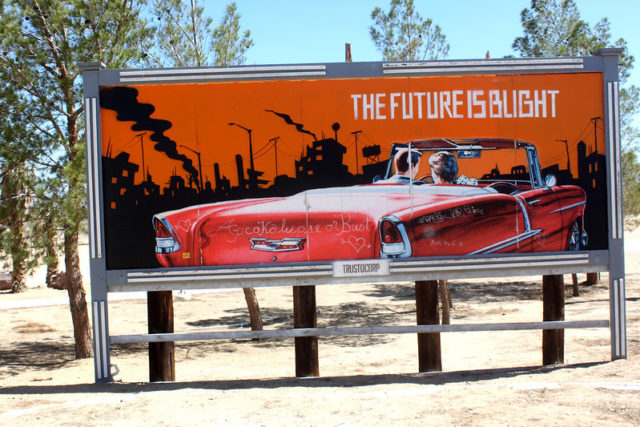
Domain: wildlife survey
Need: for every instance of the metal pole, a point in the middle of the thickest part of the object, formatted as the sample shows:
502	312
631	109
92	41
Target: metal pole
275	146
355	133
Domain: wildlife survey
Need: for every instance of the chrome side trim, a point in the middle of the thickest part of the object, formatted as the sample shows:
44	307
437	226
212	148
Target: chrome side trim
575	205
525	214
506	243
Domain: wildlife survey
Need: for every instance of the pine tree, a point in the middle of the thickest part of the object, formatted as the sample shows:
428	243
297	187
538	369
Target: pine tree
403	35
40	45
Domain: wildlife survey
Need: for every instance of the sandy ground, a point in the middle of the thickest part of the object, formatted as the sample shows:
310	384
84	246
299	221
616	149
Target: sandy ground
488	378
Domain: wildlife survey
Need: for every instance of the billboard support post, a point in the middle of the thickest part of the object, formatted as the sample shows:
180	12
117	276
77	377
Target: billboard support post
552	310
305	316
429	354
162	362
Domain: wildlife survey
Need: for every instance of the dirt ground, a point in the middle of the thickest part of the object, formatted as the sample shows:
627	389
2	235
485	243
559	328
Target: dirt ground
488	377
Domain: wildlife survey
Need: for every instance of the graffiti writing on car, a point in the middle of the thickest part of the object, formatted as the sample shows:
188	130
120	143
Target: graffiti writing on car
452	213
447	243
340	225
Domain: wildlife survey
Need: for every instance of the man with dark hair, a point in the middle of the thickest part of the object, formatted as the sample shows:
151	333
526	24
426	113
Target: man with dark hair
406	164
444	167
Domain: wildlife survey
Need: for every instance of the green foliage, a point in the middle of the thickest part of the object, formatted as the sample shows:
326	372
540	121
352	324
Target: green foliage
185	37
41	43
403	35
554	28
631	183
230	48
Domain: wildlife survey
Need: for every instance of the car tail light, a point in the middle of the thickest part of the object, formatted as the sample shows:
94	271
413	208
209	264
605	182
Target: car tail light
393	238
389	232
166	241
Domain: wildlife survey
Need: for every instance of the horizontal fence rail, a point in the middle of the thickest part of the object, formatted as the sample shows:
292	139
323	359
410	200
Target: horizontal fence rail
372	330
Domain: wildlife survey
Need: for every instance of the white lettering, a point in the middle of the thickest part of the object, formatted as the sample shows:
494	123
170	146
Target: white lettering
457	102
407	114
367	107
394	103
540	101
524	100
494	101
479	103
419	96
355	105
380	105
553	94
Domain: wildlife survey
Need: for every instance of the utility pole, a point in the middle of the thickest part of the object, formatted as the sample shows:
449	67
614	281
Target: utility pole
595	130
355	133
566	143
201	186
144	173
275	149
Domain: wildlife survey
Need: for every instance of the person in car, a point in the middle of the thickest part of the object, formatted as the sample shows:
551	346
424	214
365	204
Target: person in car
405	171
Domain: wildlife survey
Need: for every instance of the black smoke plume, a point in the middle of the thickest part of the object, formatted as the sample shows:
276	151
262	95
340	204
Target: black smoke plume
299	126
124	101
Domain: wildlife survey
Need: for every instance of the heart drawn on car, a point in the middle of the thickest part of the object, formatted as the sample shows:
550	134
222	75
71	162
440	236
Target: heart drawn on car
357	243
184	224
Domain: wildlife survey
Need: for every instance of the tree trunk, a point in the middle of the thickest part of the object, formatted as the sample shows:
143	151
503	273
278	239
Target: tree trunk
445	298
18	256
255	317
77	297
53	274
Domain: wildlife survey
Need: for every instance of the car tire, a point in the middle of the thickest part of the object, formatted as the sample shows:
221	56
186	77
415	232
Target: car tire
574	237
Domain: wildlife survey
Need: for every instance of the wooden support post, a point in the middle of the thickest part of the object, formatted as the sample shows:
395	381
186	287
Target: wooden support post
592	278
552	309
304	316
162	362
576	289
429	356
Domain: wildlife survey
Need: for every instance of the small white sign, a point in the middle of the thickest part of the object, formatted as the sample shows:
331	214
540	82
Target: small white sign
360	268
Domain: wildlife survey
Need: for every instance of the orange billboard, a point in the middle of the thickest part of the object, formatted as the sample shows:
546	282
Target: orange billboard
270	144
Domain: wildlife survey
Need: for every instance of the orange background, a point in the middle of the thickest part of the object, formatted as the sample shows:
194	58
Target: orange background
201	112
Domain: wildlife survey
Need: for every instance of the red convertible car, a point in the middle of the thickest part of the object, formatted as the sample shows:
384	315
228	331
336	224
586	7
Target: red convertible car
504	205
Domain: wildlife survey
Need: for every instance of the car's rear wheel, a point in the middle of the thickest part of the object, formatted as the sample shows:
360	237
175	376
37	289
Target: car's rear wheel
574	237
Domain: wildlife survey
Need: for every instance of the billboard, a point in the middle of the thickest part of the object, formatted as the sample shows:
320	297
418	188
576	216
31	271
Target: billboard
304	170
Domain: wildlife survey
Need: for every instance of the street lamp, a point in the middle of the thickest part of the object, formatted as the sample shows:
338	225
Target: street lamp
250	145
199	163
566	143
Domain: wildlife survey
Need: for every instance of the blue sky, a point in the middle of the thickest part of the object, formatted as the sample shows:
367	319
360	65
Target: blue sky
303	31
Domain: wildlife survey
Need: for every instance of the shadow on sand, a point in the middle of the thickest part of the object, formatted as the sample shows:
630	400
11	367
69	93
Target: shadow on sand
433	378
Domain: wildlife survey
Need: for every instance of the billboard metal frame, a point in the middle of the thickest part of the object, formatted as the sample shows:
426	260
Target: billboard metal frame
104	281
